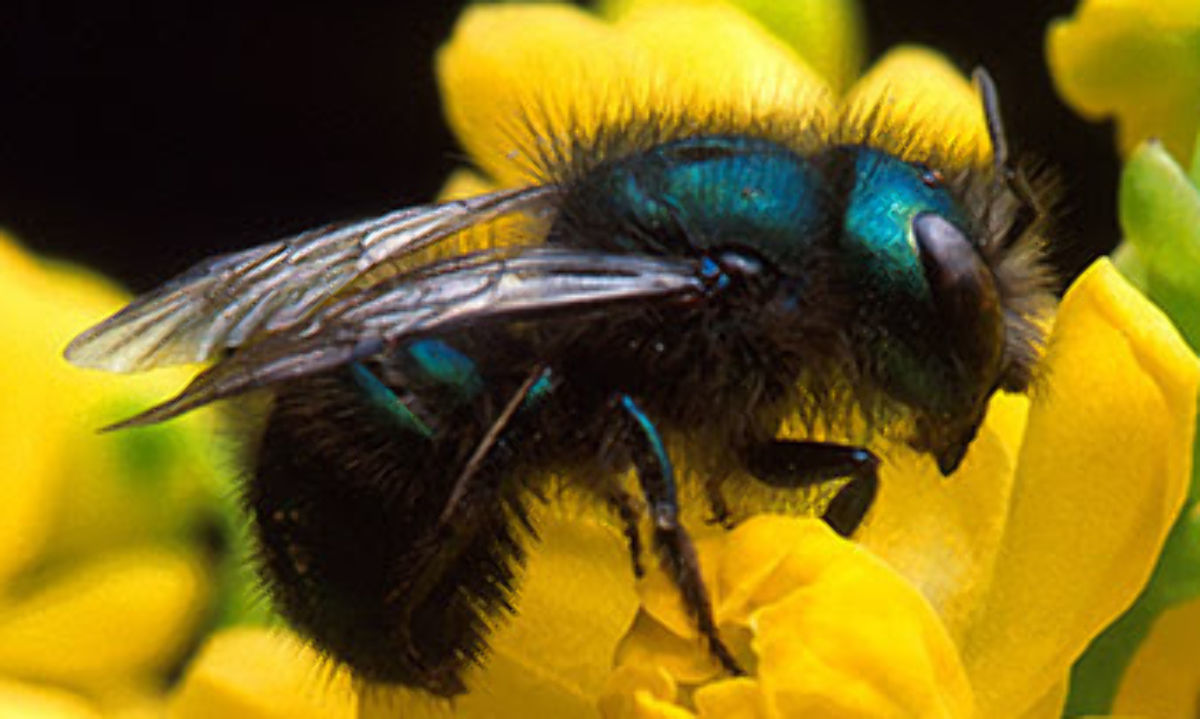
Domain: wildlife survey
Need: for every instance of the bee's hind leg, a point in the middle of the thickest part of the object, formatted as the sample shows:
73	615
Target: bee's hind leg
671	540
629	513
794	464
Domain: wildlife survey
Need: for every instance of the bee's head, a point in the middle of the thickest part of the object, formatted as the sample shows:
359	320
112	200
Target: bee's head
949	283
976	339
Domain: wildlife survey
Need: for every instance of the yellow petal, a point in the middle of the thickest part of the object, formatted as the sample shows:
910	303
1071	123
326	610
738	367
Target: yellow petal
254	673
1163	679
1137	61
32	701
516	77
835	632
915	104
732	699
634	689
106	624
68	489
33	415
1101	475
464	183
712	58
943	533
507	67
826	33
653	641
858	642
637	692
1051	705
501	232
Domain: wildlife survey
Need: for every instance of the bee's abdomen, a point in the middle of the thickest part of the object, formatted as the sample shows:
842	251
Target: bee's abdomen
348	503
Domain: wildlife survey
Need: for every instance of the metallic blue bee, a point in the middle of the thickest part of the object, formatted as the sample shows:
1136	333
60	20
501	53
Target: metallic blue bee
685	281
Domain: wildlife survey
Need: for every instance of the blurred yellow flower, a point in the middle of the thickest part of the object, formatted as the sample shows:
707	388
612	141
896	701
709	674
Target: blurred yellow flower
1135	61
104	574
966	597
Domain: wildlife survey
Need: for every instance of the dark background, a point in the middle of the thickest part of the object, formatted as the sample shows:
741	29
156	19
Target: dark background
140	137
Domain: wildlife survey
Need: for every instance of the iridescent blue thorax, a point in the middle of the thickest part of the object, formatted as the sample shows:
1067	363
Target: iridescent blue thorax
698	194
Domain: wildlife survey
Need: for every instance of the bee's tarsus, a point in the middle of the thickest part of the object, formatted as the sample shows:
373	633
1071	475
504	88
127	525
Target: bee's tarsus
794	464
629	514
671	540
849	506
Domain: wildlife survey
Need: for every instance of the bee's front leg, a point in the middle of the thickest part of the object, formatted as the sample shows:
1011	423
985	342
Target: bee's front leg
675	550
794	464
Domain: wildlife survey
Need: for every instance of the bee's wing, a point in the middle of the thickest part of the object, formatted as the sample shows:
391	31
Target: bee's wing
491	286
225	301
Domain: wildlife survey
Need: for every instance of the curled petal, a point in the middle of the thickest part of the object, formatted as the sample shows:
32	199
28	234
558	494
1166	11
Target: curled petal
944	533
1089	512
826	628
254	673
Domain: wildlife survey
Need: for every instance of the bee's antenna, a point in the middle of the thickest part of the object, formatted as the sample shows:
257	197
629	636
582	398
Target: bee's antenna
1027	209
991	114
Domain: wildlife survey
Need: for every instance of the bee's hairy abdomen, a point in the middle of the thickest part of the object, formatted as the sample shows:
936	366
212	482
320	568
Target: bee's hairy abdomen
348	505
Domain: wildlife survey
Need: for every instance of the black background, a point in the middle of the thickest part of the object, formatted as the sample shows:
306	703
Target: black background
140	137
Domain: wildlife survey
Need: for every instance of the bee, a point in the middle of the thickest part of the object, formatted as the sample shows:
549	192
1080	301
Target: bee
668	282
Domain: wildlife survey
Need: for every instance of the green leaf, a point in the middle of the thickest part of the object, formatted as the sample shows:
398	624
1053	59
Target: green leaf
1160	213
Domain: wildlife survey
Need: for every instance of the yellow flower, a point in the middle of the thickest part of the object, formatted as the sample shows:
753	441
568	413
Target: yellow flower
1135	61
966	596
104	580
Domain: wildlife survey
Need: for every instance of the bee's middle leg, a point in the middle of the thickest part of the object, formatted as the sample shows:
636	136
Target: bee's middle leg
718	508
629	513
794	464
672	542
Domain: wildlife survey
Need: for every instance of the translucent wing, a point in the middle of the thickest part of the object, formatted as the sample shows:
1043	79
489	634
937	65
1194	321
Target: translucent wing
226	301
518	283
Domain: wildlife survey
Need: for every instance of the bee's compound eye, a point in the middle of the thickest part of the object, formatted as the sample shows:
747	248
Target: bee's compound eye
961	282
